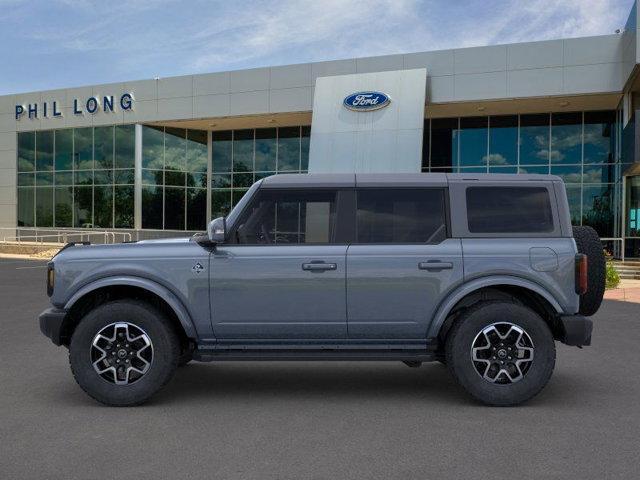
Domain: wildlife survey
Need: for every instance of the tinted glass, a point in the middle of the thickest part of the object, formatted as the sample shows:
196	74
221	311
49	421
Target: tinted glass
123	206
289	217
175	149
288	149
597	208
152	147
305	138
534	139
64	149
44	207
221	151
566	138
125	146
243	151
26	151
509	210
473	141
44	150
152	207
26	203
503	141
443	142
401	216
103	147
599	140
83	148
64	206
266	149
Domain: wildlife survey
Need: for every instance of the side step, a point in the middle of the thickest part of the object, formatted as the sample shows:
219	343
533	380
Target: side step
315	355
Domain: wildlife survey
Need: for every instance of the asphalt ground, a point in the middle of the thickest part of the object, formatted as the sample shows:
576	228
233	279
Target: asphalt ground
322	420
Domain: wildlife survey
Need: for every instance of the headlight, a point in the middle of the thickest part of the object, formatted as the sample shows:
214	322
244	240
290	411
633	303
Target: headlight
51	278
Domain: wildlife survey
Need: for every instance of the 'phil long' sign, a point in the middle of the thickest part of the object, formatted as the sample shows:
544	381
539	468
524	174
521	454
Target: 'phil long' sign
106	103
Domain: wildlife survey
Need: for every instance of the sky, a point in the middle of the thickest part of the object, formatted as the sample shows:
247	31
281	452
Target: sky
48	44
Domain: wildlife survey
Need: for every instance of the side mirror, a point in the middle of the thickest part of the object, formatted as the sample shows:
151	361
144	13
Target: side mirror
217	230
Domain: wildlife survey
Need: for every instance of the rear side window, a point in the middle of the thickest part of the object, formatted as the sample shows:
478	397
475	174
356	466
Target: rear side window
401	215
509	210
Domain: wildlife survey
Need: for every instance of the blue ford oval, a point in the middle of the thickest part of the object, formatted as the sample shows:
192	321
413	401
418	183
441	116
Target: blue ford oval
366	101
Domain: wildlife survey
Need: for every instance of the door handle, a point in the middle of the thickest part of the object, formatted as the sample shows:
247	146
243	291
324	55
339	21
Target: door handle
318	266
435	265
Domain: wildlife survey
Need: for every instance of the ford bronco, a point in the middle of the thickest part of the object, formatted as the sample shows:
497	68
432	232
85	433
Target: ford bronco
482	273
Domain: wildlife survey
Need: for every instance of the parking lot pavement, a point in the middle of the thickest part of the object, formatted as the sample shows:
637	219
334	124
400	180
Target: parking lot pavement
344	420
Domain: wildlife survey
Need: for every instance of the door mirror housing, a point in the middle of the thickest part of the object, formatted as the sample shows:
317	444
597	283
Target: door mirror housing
217	230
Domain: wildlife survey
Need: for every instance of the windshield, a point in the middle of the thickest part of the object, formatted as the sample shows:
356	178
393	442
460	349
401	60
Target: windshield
233	215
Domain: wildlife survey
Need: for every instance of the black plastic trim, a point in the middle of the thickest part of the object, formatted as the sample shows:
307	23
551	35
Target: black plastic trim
51	324
576	330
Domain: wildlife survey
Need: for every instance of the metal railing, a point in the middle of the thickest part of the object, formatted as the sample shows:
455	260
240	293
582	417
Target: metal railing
35	235
622	246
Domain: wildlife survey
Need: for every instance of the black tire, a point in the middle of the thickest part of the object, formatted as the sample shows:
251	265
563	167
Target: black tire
589	243
165	351
469	326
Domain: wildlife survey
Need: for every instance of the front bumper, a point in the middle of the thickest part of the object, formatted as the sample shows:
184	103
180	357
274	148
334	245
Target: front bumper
51	324
577	330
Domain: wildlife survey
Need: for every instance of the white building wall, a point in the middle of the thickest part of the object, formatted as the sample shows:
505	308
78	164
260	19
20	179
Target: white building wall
384	140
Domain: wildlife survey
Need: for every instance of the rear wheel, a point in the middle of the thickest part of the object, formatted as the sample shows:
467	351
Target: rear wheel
589	243
502	353
123	352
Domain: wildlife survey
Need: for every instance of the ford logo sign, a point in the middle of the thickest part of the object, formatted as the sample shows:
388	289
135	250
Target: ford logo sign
366	101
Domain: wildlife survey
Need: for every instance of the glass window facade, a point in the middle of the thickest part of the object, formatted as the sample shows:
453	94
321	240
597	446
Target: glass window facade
174	178
241	157
580	147
77	177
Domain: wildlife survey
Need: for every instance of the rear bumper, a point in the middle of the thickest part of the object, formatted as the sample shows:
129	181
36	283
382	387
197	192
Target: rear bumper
577	330
51	324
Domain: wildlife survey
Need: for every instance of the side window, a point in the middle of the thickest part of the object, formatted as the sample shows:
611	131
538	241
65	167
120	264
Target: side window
509	210
401	215
282	217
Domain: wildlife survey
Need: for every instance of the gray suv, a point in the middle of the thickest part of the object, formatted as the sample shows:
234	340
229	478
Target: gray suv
482	273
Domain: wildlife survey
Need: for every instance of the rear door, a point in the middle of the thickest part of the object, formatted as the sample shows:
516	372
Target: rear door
402	262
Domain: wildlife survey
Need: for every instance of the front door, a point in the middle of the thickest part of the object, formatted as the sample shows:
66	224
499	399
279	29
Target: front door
632	216
282	276
401	264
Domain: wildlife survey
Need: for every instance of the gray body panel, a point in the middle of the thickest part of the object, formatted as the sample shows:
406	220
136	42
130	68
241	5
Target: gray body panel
389	296
163	267
376	296
262	292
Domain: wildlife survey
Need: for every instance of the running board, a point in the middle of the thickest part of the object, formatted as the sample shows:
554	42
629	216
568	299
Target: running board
315	355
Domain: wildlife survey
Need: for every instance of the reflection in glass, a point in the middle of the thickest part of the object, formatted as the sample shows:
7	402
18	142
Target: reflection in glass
503	140
123	206
64	149
64	207
569	174
103	147
265	149
305	139
174	205
534	139
288	149
574	196
243	151
473	141
220	203
152	207
83	206
221	151
599	141
196	209
103	207
152	147
444	146
125	146
197	151
597	211
175	149
44	206
44	150
83	148
26	151
26	205
566	138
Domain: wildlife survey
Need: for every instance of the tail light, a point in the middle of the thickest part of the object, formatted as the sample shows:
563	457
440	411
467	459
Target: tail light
581	274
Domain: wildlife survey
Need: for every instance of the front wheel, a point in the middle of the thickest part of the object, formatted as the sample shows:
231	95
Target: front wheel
123	352
502	353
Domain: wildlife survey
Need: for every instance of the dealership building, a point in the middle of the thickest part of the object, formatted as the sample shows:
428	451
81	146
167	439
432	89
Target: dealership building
156	157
